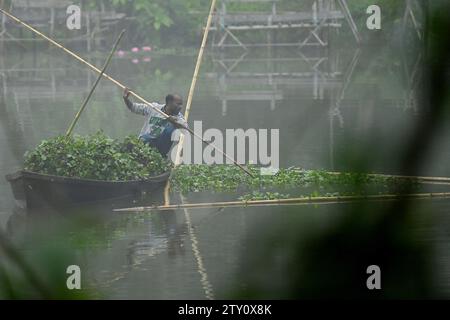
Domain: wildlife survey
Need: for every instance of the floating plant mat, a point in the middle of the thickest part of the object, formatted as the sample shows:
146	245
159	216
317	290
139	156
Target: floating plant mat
96	156
99	157
291	182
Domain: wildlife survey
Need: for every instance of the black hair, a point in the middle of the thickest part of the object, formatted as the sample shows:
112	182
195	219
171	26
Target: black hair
169	98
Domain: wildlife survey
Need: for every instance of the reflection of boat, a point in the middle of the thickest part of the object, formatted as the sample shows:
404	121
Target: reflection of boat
42	190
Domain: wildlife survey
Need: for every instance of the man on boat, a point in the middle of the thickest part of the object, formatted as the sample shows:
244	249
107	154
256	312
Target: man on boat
157	129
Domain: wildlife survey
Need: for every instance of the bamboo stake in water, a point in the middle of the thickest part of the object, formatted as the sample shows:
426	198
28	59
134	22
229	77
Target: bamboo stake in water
190	95
83	105
119	85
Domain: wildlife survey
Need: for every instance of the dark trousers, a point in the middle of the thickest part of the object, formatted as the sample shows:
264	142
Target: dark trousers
163	143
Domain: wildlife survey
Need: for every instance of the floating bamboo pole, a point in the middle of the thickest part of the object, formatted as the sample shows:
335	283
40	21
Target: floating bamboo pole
421	179
291	201
190	95
119	85
100	75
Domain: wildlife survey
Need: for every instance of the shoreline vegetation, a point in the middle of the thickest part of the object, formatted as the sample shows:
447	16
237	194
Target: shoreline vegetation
178	23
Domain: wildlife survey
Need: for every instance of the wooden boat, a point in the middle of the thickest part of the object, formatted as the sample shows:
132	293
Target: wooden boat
37	190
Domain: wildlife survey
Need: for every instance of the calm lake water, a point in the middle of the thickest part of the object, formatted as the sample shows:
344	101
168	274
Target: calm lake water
335	109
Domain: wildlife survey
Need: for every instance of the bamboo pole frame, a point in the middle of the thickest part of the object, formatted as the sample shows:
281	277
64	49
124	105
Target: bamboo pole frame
120	85
291	201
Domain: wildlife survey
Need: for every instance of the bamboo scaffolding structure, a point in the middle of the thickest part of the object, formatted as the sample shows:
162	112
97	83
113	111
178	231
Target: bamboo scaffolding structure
190	95
291	201
100	75
120	85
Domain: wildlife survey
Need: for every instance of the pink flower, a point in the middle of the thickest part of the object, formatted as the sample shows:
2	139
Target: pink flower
147	59
135	49
148	48
120	53
135	61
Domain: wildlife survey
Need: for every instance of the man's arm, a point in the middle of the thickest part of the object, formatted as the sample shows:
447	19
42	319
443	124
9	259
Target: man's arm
179	122
139	108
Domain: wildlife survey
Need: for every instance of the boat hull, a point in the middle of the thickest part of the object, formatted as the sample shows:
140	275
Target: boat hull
41	190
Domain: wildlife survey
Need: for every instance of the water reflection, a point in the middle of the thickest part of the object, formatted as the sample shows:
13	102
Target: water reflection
264	76
169	237
323	101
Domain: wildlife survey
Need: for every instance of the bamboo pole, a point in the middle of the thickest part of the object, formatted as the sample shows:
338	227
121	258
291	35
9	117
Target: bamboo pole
207	287
119	85
190	95
291	201
423	179
199	61
100	75
420	178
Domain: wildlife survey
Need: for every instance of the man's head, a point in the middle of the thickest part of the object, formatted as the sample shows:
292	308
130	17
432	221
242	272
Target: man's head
174	103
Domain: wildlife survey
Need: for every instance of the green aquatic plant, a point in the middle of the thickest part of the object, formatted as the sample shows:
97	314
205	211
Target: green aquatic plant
96	157
257	195
312	183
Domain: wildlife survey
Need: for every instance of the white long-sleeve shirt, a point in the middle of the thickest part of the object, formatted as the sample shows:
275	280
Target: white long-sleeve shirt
155	123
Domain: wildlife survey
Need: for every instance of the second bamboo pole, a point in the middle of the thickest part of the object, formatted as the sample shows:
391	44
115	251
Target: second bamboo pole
100	75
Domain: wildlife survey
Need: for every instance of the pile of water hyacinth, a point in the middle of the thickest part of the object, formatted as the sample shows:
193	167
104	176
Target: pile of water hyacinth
97	157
